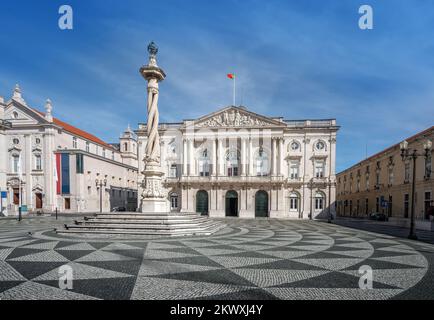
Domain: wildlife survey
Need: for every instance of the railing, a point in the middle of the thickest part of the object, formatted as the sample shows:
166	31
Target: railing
310	123
226	179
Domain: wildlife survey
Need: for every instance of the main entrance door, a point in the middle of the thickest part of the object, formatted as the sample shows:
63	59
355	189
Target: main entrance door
261	204
231	203
202	202
38	198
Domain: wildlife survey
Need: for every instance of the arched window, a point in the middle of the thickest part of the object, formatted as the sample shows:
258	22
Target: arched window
204	164
174	201
126	146
294	201
319	201
262	167
232	162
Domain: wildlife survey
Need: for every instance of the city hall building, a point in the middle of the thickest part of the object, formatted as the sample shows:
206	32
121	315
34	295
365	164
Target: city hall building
237	163
47	164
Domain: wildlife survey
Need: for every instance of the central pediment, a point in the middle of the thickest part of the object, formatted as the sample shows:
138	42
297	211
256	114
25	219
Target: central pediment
237	117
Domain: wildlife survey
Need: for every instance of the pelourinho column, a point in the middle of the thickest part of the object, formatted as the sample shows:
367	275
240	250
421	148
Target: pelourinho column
154	196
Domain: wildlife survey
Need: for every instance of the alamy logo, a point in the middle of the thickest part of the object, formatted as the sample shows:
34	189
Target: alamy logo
366	278
66	18
66	277
366	21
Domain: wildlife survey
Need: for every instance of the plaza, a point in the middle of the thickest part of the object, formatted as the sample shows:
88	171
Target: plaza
249	259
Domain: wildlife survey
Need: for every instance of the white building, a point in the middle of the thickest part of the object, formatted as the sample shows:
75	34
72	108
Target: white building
58	165
234	162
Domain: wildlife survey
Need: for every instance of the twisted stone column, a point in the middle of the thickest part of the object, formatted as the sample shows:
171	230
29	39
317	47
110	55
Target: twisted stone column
154	194
153	144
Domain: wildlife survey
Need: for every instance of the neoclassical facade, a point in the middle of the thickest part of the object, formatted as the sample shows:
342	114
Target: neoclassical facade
47	164
238	163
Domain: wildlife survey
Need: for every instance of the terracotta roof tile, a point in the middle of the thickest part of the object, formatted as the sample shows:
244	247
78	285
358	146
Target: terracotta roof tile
76	131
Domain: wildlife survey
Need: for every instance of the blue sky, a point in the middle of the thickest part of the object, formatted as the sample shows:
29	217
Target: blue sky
296	59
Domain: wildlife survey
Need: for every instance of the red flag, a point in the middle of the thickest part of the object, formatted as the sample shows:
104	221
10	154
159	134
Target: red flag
231	76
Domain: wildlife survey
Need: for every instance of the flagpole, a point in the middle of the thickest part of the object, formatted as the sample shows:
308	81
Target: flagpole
235	79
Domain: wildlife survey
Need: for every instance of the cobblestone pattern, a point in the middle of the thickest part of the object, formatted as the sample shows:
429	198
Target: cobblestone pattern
250	259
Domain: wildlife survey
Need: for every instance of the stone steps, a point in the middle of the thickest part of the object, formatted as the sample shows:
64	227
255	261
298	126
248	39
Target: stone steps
145	224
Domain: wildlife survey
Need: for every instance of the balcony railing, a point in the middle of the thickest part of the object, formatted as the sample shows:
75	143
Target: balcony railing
226	179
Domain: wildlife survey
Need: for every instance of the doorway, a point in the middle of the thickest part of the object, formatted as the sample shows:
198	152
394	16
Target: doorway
202	202
38	198
231	203
261	204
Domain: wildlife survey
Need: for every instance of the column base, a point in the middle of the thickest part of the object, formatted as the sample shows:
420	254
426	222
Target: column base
154	205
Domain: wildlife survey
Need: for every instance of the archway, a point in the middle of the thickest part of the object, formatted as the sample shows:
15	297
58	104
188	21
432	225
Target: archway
261	204
202	202
231	203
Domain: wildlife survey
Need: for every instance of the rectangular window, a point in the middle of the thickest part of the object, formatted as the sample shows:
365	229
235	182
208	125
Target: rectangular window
15	163
103	152
319	169
74	143
204	168
377	179
319	203
428	167
38	162
294	170
65	173
174	202
391	176
87	146
79	163
173	171
293	203
366	206
407	173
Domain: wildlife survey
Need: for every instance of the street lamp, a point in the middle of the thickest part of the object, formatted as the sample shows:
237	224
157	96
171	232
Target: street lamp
100	183
310	185
406	154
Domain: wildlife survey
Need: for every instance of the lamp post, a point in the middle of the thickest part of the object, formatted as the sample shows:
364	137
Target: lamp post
406	154
310	186
100	183
329	184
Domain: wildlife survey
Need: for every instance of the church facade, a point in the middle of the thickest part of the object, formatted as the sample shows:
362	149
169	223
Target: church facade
237	163
47	164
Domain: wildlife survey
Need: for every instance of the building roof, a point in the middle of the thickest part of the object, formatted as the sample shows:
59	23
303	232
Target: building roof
76	131
409	140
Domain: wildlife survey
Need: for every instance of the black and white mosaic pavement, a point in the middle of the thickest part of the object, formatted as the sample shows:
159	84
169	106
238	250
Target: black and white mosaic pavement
250	259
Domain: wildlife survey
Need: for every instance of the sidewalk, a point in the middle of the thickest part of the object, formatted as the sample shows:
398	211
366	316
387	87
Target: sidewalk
384	228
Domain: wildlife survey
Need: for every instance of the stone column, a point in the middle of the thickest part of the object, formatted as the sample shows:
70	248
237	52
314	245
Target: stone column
281	152
190	157
221	155
273	152
243	157
154	196
251	157
184	158
214	158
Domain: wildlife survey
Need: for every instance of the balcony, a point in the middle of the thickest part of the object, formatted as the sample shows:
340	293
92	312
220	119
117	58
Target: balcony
223	179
